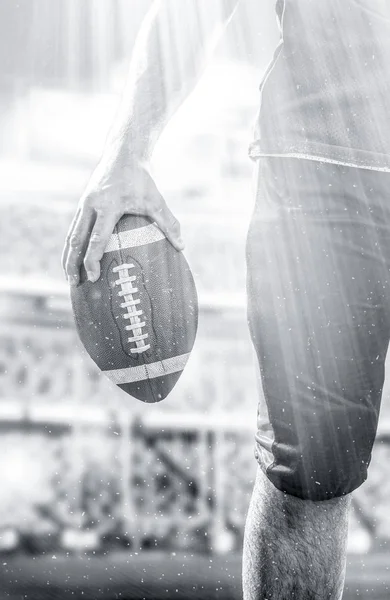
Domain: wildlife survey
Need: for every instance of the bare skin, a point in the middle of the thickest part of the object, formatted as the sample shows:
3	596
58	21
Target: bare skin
122	183
293	548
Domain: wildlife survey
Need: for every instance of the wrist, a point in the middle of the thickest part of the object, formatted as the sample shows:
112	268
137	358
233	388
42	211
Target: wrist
122	153
135	134
127	149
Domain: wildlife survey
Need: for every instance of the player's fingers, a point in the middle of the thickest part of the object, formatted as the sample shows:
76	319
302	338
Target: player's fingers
168	224
65	250
100	235
77	244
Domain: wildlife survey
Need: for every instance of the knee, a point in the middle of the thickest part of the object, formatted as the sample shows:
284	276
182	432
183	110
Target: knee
298	521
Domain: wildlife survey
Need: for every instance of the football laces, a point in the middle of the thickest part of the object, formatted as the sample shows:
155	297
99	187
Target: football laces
133	311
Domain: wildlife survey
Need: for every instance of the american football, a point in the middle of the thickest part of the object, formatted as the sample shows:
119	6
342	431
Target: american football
138	322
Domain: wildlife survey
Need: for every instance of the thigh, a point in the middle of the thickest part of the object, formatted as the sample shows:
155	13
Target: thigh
318	311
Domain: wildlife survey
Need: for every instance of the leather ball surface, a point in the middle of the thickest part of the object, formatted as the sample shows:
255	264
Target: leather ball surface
138	322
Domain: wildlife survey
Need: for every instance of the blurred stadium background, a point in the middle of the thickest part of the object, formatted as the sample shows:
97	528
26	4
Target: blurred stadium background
102	497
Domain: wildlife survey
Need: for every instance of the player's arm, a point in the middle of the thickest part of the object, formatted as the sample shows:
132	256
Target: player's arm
170	53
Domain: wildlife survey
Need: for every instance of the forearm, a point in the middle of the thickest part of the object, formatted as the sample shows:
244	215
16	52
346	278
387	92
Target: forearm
170	53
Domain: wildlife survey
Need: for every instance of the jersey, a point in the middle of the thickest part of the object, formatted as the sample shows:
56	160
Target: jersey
326	93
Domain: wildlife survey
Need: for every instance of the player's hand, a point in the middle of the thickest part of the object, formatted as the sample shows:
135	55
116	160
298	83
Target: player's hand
113	191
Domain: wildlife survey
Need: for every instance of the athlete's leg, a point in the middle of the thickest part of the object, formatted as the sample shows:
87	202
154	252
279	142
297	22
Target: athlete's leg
318	307
294	549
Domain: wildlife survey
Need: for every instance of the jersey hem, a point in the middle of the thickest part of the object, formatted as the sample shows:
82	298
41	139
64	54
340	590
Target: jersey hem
362	159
